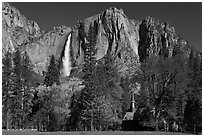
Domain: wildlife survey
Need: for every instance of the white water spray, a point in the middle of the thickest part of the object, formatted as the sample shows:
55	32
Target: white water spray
66	60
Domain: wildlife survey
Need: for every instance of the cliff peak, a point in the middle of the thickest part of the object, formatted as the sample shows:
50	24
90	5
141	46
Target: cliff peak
114	10
124	39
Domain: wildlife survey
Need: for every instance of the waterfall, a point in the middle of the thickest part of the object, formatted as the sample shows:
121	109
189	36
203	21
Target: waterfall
66	59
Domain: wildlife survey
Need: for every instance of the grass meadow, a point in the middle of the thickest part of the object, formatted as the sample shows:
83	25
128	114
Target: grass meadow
35	132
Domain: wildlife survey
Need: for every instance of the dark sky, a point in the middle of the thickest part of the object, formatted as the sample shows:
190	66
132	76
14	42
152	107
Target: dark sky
185	17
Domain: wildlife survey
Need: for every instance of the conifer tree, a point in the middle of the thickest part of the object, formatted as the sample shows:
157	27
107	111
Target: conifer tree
21	93
28	90
6	89
16	112
52	75
88	94
86	102
193	110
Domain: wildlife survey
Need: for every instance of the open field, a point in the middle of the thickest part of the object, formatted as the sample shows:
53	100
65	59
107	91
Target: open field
34	132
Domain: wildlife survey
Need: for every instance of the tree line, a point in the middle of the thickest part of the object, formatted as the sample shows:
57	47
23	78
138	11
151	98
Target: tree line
17	90
90	103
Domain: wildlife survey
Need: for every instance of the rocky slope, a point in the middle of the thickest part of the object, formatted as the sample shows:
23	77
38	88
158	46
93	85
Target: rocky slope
114	31
116	34
19	32
51	43
16	29
128	40
122	38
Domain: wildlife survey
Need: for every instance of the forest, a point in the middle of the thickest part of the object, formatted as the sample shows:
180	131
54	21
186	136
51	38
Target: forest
98	99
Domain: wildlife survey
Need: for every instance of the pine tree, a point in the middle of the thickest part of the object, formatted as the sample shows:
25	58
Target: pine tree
86	104
52	75
6	88
28	89
193	111
16	112
88	94
22	92
45	101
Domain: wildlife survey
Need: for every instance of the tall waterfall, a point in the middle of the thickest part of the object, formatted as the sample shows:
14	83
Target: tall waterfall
66	59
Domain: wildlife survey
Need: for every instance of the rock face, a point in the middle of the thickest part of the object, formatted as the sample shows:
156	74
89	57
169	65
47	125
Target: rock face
118	36
16	29
160	39
126	39
51	43
19	32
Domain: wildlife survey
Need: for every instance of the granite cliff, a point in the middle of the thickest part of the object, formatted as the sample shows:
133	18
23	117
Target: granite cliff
17	31
122	38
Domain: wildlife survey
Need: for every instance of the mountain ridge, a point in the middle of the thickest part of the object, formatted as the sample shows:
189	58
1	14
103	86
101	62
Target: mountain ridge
117	34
